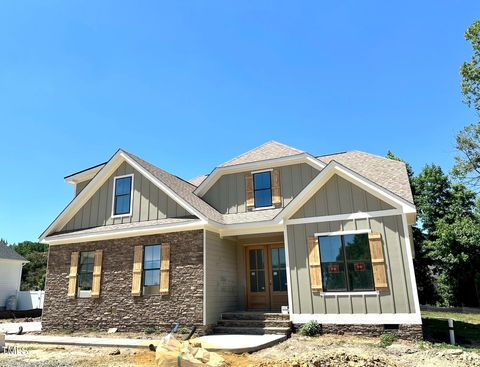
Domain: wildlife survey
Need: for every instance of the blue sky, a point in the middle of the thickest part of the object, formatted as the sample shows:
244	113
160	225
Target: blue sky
188	85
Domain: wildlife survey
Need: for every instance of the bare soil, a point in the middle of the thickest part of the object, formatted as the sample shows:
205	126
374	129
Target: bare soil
298	351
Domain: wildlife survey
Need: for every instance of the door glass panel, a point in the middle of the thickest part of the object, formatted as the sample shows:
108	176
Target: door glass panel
279	277
260	262
257	270
253	259
281	253
253	281
261	281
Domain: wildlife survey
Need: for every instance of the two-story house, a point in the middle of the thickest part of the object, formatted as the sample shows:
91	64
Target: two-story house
324	238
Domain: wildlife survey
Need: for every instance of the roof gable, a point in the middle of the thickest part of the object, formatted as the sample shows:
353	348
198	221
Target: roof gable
7	253
270	150
391	175
179	190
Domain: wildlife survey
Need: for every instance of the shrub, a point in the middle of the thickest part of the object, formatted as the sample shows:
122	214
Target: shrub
311	328
387	339
150	330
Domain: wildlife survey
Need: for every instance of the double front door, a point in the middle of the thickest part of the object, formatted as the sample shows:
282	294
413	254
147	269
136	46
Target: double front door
266	273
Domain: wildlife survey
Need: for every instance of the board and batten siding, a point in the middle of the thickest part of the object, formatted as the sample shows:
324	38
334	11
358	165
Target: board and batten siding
80	186
149	203
339	196
398	299
10	277
221	293
227	195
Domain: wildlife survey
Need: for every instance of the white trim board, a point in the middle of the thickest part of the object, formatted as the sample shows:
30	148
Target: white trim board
352	216
359	319
343	233
124	232
411	270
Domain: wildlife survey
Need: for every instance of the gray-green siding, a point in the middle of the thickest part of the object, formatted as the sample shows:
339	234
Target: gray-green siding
227	195
221	277
339	196
399	299
149	203
80	186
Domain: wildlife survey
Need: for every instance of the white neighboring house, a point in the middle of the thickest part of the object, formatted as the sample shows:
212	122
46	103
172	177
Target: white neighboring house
11	264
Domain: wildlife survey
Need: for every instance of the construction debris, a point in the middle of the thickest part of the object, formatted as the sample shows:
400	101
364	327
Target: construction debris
171	352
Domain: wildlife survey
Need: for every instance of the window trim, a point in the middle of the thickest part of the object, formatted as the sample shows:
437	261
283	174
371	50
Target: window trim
129	214
269	206
84	293
346	291
142	284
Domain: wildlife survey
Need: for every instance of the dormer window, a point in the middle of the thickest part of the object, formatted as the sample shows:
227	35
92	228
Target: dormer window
262	187
122	192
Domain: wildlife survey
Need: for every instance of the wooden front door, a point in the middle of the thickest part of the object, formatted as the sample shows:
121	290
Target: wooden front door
266	277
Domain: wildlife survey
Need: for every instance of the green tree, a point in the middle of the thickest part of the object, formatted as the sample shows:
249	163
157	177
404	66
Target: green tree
455	251
467	162
422	264
470	71
34	272
432	198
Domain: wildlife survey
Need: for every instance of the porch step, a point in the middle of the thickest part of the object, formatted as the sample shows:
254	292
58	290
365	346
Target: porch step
252	330
254	323
254	316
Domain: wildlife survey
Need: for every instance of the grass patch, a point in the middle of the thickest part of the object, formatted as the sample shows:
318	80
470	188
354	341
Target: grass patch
466	326
469	318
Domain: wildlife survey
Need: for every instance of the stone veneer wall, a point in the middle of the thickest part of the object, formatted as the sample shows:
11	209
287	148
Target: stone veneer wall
116	307
404	331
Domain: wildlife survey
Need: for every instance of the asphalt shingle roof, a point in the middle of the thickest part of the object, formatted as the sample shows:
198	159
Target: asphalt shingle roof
6	252
391	175
270	150
182	188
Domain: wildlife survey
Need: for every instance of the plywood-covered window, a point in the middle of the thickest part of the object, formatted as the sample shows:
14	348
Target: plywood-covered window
346	263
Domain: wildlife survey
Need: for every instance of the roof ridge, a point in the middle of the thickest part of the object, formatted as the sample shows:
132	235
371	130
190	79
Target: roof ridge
258	148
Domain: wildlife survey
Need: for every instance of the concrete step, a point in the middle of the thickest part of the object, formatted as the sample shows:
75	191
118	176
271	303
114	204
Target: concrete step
252	330
254	316
255	323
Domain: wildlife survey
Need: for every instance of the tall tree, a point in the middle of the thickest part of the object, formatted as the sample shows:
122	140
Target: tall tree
34	272
422	264
467	162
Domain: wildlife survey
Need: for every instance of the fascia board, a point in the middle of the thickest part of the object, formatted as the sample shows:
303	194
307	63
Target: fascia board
122	233
84	175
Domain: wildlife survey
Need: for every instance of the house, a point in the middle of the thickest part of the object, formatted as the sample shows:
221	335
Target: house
324	238
11	264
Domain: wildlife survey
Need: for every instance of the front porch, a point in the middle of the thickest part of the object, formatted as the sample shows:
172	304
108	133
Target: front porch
245	282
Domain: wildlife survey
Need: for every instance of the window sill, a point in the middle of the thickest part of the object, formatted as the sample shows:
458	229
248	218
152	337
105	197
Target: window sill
84	294
360	293
121	216
264	207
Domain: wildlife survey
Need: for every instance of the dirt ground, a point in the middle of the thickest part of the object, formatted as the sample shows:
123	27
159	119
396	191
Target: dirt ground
325	351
